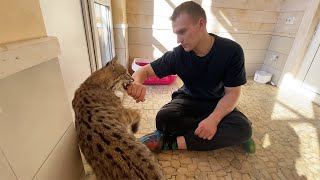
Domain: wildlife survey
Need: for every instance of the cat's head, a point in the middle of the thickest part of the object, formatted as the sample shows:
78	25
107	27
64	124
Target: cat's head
112	76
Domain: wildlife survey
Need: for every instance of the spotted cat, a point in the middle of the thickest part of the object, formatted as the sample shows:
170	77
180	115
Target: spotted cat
104	128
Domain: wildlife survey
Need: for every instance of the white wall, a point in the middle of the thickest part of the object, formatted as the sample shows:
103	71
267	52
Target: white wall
63	19
37	135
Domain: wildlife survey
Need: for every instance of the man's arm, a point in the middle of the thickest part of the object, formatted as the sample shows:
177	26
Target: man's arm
136	89
208	127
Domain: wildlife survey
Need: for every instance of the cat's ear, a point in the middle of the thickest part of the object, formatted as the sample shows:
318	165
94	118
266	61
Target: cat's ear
113	61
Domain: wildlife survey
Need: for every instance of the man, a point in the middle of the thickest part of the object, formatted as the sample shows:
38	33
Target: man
202	113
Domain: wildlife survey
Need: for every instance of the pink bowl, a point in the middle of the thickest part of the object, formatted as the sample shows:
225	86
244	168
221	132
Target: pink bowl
163	81
155	80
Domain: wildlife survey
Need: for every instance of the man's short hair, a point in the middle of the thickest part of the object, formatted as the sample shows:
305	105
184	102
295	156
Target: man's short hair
194	10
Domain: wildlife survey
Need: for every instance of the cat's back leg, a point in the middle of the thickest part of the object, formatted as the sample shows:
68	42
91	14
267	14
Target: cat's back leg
134	117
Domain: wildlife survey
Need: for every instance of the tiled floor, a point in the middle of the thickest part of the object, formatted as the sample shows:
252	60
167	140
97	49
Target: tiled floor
286	131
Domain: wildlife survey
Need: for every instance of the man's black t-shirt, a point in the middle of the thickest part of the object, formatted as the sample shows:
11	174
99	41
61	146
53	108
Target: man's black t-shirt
205	77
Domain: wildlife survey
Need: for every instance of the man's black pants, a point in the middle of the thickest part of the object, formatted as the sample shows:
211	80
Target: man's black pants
181	116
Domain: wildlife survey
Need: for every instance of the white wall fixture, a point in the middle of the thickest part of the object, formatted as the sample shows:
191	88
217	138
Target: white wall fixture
274	57
290	20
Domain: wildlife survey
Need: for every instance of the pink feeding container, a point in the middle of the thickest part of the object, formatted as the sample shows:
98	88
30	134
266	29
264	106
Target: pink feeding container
139	62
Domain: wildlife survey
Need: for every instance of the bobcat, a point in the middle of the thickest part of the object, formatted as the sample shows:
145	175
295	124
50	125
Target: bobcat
104	128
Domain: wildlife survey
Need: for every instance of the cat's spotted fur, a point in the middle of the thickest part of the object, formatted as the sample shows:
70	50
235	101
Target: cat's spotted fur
103	124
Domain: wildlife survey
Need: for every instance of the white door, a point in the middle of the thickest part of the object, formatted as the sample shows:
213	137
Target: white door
312	79
310	70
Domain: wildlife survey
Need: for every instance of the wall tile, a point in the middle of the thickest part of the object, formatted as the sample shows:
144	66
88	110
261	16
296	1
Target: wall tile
5	169
119	37
279	63
35	114
282	27
268	61
294	5
65	161
281	44
275	73
121	54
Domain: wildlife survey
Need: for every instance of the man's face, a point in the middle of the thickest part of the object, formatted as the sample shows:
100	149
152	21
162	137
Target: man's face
188	31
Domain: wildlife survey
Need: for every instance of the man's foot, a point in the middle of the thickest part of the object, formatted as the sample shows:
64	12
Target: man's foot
158	141
154	141
249	146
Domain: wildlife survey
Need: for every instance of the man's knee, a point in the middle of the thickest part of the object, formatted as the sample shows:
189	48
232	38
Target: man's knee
166	116
246	128
247	133
242	125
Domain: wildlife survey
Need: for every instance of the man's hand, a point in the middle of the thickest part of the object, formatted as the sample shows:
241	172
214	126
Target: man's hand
137	91
207	128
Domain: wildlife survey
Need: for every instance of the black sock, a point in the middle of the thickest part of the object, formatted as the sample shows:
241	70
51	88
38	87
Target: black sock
170	143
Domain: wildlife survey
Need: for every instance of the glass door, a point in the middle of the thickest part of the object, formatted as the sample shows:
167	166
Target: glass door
99	31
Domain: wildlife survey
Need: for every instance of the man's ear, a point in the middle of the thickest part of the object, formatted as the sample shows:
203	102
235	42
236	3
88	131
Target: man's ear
202	23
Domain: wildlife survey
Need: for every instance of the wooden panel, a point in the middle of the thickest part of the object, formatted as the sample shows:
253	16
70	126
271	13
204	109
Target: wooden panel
228	14
254	56
264	5
242	39
241	15
259	41
167	39
148	21
140	7
146	51
159	22
251	68
21	20
238	27
143	36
